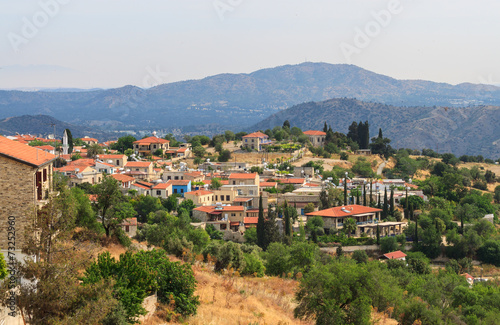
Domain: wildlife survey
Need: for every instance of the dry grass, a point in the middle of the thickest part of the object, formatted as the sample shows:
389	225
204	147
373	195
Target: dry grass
227	299
232	300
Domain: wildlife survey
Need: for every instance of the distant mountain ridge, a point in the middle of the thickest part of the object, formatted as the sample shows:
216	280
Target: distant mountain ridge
43	125
238	100
470	131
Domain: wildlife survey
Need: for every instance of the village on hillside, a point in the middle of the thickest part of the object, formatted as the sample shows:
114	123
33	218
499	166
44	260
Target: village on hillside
344	194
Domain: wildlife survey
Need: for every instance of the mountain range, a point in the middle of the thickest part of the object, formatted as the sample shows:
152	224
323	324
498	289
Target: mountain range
414	113
43	125
238	100
459	130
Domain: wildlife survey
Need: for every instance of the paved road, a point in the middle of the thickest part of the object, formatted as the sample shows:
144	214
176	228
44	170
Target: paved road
381	167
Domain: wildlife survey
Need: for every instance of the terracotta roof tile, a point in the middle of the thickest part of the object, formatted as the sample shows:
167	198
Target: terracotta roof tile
339	212
180	182
256	135
141	164
162	186
313	132
24	153
123	178
150	140
395	255
243	175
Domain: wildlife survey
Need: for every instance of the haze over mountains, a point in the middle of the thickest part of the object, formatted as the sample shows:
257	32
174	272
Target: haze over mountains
241	99
462	131
238	101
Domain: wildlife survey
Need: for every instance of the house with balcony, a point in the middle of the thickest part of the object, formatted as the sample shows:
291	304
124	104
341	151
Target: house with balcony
336	216
26	181
147	146
256	141
124	180
142	170
317	138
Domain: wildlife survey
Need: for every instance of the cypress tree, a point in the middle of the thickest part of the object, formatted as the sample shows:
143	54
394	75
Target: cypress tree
378	235
288	224
371	192
325	128
385	208
380	133
261	231
392	202
416	232
379	205
364	194
345	190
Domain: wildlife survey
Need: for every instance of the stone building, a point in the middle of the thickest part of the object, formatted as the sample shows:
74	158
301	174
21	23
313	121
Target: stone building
26	177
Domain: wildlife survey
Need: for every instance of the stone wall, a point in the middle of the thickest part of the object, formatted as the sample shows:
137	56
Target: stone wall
17	199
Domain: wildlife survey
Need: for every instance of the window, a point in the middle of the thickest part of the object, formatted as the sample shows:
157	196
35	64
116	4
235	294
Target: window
216	197
169	178
127	229
234	182
250	192
228	198
45	175
222	197
117	162
175	191
252	140
154	147
158	192
176	178
233	214
182	190
246	140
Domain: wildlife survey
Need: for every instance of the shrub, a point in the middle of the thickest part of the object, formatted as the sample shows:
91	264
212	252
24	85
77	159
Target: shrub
360	256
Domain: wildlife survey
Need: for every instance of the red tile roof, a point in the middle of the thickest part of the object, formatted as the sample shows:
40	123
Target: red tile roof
243	175
311	185
207	209
46	147
256	135
89	139
163	186
151	140
199	192
312	132
268	184
292	181
251	220
339	212
468	276
242	199
395	255
193	174
180	182
123	178
129	222
140	164
111	156
141	186
24	153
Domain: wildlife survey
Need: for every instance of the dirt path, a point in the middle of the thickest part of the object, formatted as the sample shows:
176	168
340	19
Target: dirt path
381	167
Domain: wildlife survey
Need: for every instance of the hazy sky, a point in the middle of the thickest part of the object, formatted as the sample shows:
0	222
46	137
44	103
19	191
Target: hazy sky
112	43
